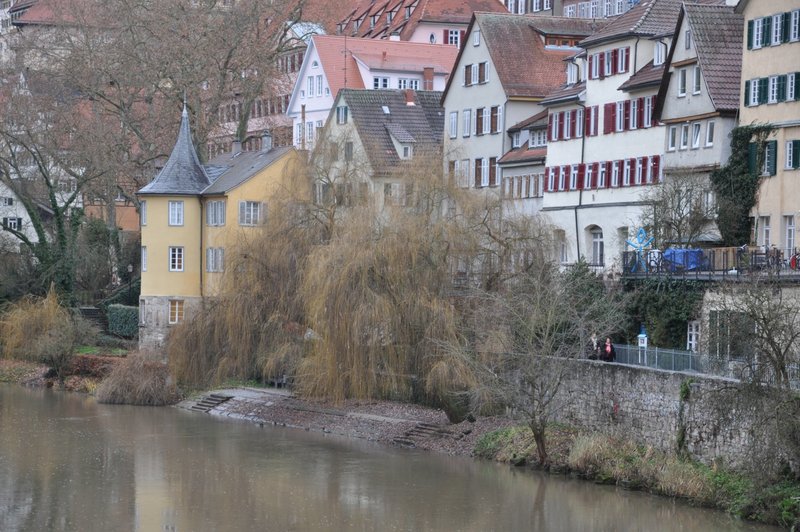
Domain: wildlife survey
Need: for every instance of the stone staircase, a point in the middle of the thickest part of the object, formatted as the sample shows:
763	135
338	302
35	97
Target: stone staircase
209	402
422	431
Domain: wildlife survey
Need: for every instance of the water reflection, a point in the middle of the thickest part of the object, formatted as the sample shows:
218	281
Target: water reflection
67	463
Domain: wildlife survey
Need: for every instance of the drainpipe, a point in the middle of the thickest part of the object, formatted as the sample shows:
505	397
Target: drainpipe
580	191
635	55
303	128
202	219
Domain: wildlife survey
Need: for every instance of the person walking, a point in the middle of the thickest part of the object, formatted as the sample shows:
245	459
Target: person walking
594	347
608	353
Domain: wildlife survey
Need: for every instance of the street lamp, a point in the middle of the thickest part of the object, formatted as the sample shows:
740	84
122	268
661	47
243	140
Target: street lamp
130	277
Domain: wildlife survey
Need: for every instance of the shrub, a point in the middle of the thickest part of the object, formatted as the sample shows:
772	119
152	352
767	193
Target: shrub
141	379
39	330
123	321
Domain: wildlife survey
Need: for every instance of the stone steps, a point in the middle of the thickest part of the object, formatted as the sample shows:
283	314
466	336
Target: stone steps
210	402
422	431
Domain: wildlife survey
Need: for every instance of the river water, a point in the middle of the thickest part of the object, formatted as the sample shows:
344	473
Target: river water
68	463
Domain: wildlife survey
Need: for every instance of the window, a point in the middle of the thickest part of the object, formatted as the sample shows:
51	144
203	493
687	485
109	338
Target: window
764	231
753	88
567	124
310	131
250	212
483	72
614	174
380	82
791	84
15	224
341	114
633	119
773	90
620	125
587	181
573	177
547	4
622	59
467	119
475	75
554	126
696	80
348	151
688	40
601	175
454	37
453	124
777	29
142	211
215	212
639	171
408	83
692	335
496	118
682	82
695	135
647	114
537	5
684	136
476	38
758	33
175	311
310	87
215	259
175	213
792	154
770	157
144	258
788	224
626	173
176	258
578	123
572	73
594	66
485	120
515	139
659	54
710	134
794	26
407	152
608	60
598	258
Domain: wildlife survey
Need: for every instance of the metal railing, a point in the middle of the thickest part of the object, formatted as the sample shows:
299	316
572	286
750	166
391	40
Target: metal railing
716	262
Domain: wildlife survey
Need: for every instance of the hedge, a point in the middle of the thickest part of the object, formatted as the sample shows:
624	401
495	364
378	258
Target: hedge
123	320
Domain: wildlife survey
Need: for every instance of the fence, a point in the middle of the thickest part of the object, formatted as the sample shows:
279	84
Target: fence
690	362
723	262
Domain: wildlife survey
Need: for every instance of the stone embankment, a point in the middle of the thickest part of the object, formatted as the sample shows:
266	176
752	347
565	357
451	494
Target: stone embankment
379	421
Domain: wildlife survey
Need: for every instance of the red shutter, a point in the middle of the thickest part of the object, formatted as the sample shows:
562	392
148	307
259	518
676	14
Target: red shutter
595	175
627	58
573	124
632	166
581	175
640	113
627	120
592	59
478	173
614	60
645	168
602	59
550	128
444	36
656	168
609	110
461	37
587	121
621	169
547	179
608	173
560	126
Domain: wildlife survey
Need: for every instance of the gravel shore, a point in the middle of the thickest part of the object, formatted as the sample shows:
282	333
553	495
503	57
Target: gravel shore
379	421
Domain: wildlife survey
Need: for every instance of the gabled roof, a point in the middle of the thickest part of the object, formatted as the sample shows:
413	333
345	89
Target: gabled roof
566	93
435	11
650	18
338	58
718	33
539	119
509	37
421	123
235	168
524	154
183	174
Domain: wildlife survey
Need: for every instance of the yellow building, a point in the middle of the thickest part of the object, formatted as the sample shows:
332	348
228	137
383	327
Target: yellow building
190	213
771	90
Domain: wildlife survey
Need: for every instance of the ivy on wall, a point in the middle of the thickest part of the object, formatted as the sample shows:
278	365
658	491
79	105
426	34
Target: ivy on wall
664	306
736	184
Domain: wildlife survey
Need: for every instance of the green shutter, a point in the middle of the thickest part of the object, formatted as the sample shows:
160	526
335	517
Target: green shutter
763	90
781	88
747	93
787	20
766	34
796	154
749	34
772	150
751	157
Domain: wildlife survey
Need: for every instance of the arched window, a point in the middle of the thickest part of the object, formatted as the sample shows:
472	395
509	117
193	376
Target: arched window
597	246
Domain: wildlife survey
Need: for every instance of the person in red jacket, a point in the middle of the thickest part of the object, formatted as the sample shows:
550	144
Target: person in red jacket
607	352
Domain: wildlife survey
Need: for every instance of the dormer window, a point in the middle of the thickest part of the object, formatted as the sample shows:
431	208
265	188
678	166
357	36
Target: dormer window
341	114
572	73
407	152
515	139
659	54
373	20
408	12
389	16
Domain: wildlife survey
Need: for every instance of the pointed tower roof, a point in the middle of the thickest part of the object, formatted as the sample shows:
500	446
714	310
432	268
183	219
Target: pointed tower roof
183	174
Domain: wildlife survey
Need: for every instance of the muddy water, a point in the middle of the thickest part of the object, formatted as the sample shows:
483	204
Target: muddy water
68	463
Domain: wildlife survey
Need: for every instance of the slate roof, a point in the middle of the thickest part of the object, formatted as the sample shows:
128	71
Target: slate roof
239	167
421	123
718	33
182	174
509	37
565	93
442	11
646	76
650	18
340	66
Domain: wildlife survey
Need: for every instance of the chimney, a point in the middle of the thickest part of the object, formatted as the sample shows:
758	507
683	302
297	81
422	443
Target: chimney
236	147
427	79
409	97
266	141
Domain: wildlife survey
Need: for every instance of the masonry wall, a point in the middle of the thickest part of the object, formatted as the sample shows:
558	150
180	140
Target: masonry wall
645	405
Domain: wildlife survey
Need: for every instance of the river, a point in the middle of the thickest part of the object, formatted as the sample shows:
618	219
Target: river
70	464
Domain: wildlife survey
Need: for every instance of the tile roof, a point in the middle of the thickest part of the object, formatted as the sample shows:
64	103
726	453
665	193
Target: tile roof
509	37
182	174
438	11
523	154
646	76
538	119
421	123
565	93
233	169
338	55
718	33
650	18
